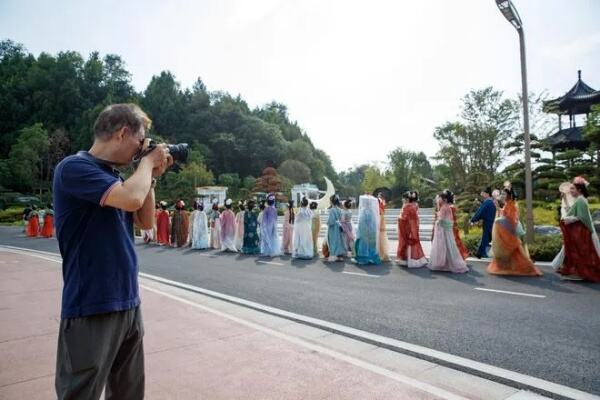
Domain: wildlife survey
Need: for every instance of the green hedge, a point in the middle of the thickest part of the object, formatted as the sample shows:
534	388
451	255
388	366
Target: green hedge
471	242
11	215
544	248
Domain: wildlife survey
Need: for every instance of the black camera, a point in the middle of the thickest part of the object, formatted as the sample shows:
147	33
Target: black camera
178	151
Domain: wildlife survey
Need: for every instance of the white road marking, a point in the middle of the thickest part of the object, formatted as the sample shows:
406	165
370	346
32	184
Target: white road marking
361	274
509	292
425	387
269	262
390	343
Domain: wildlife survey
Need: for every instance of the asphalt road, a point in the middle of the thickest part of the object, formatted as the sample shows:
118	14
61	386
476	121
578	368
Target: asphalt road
556	337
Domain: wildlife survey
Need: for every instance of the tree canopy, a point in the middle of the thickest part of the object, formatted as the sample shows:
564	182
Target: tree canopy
49	103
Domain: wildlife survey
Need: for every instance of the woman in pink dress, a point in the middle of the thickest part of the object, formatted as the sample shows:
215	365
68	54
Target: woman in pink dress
227	232
239	225
445	255
289	218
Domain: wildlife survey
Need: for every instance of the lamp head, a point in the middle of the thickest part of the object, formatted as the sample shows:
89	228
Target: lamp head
509	11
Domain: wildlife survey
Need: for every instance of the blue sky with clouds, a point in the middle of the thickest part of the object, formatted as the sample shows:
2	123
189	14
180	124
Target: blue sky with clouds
384	73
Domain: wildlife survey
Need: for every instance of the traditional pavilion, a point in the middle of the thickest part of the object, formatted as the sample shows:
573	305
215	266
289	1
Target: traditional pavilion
579	100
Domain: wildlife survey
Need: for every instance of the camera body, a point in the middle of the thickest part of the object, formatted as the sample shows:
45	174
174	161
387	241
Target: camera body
178	151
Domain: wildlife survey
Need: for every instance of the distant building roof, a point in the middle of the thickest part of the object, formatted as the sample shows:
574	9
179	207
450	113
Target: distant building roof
570	138
578	100
305	186
211	189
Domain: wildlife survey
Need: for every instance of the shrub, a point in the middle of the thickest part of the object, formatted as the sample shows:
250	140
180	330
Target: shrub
471	242
11	215
545	248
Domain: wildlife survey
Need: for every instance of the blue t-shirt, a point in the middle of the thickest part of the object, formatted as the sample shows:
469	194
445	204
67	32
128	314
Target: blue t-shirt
96	241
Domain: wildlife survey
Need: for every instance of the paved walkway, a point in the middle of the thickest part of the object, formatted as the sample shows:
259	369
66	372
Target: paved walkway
198	347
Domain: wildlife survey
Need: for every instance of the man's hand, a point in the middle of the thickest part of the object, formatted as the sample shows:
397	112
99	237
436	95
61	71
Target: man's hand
159	159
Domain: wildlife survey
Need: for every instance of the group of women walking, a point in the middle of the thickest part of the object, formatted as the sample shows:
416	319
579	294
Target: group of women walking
254	230
39	222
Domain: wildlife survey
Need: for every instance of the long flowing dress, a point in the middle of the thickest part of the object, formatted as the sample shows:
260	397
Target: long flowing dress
316	229
287	244
510	256
162	227
251	243
302	235
445	255
335	240
33	227
581	244
199	235
259	222
191	219
383	239
486	213
347	230
459	243
239	230
48	229
228	231
367	234
179	228
269	239
215	231
410	253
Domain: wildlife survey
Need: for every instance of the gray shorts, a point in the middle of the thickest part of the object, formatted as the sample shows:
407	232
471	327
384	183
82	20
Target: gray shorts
98	351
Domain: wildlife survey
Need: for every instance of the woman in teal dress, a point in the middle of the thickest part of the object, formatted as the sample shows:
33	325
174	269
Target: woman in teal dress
251	244
335	238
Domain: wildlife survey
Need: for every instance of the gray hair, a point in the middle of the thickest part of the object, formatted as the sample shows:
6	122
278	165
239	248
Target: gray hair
117	116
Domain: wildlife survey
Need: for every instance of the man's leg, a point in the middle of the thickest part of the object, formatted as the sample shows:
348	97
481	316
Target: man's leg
126	379
87	348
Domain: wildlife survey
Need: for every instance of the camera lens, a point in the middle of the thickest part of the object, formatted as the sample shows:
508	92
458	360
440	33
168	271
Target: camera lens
179	151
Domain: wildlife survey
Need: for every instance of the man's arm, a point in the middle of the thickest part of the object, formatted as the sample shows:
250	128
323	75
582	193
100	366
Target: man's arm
132	194
144	217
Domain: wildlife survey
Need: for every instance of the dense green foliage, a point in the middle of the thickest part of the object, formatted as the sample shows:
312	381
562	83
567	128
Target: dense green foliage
48	106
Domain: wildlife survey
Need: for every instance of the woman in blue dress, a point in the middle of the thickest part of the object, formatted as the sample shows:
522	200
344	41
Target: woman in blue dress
367	240
335	238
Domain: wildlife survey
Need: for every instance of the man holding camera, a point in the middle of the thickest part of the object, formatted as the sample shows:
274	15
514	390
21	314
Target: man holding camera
101	330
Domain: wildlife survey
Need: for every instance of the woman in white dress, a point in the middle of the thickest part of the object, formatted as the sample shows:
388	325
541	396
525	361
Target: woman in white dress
302	236
199	236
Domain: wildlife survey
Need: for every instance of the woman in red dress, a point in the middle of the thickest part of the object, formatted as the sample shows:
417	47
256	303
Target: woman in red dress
162	225
33	227
581	245
48	229
410	253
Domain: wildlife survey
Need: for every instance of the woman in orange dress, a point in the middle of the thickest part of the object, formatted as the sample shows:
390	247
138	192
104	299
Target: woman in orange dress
48	229
33	227
461	247
510	256
410	253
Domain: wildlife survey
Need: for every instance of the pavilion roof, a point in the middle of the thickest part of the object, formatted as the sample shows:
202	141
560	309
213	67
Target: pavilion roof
578	100
569	138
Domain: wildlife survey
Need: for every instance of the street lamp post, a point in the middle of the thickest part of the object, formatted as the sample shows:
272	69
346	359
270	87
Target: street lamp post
510	13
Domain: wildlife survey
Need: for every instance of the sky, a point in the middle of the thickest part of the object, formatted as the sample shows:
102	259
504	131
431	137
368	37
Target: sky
360	77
